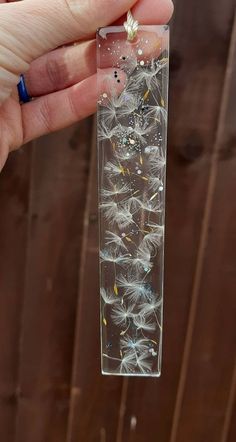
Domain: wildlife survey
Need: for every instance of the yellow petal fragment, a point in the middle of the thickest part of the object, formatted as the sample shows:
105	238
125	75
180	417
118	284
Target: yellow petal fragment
153	196
146	94
115	289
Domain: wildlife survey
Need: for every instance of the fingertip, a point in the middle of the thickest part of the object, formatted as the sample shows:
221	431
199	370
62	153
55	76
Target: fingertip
169	10
153	11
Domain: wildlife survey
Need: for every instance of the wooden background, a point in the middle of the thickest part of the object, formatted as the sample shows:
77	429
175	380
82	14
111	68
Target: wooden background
51	389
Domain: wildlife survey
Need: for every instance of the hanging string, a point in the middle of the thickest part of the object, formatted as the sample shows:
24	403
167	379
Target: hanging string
131	26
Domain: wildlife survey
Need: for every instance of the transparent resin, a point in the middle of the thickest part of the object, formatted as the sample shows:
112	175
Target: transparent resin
132	132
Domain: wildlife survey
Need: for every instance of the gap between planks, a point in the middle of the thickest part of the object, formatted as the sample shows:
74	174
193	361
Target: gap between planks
229	407
27	262
74	391
204	237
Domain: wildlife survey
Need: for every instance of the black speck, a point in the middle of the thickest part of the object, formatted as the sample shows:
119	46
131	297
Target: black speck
118	81
123	58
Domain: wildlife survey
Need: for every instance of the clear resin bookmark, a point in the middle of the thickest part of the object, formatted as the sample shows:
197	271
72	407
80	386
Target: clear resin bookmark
132	132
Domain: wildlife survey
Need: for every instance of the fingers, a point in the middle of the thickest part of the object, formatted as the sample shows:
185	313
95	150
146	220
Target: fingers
61	68
64	67
31	28
60	109
152	12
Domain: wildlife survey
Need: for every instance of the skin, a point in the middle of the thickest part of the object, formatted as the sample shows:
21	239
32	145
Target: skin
62	79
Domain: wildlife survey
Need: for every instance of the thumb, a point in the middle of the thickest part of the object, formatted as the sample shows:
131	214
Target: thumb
30	28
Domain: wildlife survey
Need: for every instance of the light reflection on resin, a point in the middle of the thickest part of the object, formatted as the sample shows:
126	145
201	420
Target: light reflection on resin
132	130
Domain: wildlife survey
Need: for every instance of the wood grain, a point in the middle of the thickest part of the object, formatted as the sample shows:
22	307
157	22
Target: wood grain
229	427
51	389
58	190
194	112
94	398
207	369
14	196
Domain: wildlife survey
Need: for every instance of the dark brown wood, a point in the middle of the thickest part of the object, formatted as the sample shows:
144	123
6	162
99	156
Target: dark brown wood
58	192
51	389
94	398
229	427
232	428
197	80
14	195
207	369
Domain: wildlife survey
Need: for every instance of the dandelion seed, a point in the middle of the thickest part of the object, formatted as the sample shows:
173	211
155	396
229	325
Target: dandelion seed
156	228
110	208
142	261
113	169
153	240
118	189
144	363
128	363
119	214
140	130
129	105
155	183
139	264
151	206
108	297
111	256
143	324
125	154
148	308
105	133
149	75
156	113
130	344
134	288
121	314
116	107
108	115
157	163
113	238
132	87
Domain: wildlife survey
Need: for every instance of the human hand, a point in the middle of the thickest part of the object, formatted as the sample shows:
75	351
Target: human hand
61	79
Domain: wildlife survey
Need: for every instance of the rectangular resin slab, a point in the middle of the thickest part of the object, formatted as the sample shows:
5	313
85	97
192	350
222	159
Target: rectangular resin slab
132	132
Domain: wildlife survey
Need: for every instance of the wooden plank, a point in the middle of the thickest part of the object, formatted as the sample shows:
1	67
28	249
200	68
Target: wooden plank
94	398
231	436
198	69
14	195
232	429
208	363
229	427
59	185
